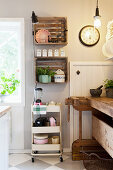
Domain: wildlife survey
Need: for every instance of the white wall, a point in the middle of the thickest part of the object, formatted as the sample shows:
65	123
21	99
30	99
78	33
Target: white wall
79	13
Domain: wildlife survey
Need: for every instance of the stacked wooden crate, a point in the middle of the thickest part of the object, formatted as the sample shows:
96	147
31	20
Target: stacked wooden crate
57	26
54	64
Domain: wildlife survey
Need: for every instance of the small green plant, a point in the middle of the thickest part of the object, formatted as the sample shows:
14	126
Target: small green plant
51	73
108	83
39	71
8	84
45	71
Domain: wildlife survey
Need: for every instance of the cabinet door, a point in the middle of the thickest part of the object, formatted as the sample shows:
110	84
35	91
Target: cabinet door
4	141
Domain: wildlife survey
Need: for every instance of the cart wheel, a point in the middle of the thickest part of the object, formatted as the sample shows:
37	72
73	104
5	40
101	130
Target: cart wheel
35	152
32	160
61	159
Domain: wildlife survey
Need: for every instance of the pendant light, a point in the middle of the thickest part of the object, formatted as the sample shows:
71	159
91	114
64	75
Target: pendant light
97	22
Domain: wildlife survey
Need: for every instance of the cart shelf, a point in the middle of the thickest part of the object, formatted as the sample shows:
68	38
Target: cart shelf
46	147
53	108
46	129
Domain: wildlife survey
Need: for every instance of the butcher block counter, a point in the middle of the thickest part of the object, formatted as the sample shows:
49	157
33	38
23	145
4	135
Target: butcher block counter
102	120
4	110
4	136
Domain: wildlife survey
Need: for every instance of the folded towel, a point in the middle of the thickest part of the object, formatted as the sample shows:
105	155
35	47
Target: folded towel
39	109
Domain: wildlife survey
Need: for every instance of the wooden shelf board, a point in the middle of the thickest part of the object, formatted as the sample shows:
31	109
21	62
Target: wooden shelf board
65	43
50	58
46	154
52	82
45	147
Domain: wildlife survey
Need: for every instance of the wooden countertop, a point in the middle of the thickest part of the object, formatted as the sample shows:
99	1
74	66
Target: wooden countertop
103	104
4	110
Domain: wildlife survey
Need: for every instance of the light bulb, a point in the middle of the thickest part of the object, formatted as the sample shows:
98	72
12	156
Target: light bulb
97	22
88	34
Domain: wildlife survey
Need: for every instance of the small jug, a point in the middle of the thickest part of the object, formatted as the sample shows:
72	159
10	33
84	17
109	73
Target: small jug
52	121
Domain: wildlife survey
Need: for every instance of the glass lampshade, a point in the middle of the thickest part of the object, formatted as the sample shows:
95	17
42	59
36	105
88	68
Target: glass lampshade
97	21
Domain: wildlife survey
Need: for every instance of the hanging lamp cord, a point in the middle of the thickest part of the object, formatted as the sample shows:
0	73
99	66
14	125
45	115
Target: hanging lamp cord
97	3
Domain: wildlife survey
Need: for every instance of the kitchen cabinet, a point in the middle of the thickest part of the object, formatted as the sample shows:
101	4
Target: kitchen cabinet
4	136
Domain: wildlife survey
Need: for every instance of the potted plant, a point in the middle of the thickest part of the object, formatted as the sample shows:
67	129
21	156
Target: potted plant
39	72
50	74
108	84
45	74
42	75
8	85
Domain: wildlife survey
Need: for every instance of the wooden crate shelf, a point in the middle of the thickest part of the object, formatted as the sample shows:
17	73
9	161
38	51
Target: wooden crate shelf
57	26
54	64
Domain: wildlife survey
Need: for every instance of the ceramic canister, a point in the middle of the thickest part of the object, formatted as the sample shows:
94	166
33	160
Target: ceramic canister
44	53
59	77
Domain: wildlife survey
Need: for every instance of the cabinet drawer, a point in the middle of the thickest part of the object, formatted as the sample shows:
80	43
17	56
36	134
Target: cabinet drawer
103	133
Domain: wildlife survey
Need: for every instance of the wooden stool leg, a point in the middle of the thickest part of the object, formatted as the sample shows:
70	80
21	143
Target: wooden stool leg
68	114
80	125
76	146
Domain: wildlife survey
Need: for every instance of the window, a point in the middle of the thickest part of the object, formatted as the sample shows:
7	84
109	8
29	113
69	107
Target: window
12	56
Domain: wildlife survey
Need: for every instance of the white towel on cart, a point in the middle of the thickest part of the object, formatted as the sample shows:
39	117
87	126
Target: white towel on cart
39	109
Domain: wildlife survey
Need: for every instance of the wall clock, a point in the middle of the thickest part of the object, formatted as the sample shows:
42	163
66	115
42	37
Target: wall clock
89	36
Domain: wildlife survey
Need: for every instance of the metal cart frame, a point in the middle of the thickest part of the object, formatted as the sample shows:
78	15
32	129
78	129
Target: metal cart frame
53	149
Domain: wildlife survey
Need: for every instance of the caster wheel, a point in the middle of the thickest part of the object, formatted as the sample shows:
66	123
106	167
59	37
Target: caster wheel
32	160
61	159
36	152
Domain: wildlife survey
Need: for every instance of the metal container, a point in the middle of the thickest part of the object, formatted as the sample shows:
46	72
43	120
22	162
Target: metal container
109	92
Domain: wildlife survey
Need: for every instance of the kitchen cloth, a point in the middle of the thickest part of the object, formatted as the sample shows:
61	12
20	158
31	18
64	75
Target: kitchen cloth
39	109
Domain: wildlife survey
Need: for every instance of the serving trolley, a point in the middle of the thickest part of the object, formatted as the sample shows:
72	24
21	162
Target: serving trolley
47	149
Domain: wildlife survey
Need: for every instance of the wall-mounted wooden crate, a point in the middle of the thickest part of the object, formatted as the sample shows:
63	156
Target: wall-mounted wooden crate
57	26
54	64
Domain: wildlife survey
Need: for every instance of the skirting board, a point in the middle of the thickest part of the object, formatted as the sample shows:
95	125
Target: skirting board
29	150
19	151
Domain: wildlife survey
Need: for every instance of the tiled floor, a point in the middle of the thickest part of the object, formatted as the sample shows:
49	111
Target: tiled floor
23	162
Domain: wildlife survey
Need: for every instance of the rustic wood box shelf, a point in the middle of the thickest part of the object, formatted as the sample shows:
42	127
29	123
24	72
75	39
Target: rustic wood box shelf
57	26
54	64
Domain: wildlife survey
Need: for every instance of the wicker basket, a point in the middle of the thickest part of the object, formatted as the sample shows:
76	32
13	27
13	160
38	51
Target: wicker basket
94	162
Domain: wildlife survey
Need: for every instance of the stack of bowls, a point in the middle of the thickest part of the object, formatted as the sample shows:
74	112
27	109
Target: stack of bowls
40	139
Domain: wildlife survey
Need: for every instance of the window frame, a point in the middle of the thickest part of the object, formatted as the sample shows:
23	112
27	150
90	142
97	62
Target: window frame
22	60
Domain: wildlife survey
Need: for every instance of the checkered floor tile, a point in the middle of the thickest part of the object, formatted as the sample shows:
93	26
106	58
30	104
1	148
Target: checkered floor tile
23	162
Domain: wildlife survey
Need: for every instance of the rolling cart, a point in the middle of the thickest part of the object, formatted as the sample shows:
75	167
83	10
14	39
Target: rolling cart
47	149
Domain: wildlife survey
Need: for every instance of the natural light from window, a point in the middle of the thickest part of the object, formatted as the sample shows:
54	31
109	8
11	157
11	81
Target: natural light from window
12	60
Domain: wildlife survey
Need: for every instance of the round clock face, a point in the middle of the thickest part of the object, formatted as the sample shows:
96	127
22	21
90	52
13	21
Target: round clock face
89	35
